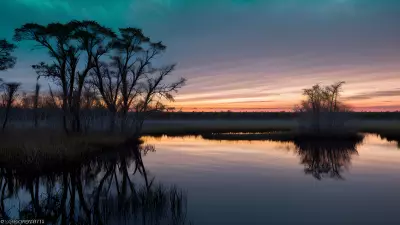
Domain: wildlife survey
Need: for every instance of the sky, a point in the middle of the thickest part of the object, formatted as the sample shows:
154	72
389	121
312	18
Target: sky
245	55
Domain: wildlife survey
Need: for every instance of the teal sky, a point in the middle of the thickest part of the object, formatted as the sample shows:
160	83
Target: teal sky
245	55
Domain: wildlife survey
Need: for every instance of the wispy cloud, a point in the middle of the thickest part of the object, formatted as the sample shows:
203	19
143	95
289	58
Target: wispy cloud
374	94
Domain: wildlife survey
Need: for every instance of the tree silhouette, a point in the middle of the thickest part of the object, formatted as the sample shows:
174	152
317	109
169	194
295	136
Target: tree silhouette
322	106
119	67
107	82
154	90
36	103
10	91
93	42
7	61
56	38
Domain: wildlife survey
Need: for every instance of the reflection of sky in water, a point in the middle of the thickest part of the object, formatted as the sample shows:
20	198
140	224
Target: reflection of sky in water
264	182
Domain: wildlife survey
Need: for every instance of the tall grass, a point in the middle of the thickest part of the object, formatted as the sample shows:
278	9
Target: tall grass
41	149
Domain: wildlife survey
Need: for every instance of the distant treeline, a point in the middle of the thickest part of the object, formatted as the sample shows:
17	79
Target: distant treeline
262	115
162	115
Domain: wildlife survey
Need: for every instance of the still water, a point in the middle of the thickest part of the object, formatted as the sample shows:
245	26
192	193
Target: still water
219	182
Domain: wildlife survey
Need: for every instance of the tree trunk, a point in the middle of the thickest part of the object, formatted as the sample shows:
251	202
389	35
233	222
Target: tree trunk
65	125
6	117
36	103
65	112
123	119
72	119
36	117
76	121
78	104
113	115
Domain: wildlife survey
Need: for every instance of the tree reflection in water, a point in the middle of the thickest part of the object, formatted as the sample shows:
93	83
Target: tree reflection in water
326	158
391	137
101	191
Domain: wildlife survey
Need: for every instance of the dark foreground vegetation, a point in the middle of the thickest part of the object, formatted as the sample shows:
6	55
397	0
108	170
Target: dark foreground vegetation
90	192
46	150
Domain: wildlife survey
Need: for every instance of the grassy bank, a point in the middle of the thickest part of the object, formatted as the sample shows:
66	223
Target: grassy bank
186	127
285	136
198	126
236	126
38	150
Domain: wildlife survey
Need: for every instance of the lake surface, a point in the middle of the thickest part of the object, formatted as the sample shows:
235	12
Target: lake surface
224	182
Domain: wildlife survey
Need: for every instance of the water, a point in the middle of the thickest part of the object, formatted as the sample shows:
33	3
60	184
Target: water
229	182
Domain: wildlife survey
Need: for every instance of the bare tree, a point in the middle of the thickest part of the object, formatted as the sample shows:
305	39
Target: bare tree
129	48
107	83
68	45
130	81
323	104
119	67
9	95
89	98
36	103
140	70
56	38
154	90
138	76
93	42
333	92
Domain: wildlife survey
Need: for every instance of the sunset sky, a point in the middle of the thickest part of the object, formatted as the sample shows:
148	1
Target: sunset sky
245	55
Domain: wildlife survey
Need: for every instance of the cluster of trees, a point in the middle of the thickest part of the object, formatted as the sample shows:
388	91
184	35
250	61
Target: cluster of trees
323	104
322	99
96	66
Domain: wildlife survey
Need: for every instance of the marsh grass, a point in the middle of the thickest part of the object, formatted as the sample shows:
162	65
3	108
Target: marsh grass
171	127
38	150
285	136
376	126
197	127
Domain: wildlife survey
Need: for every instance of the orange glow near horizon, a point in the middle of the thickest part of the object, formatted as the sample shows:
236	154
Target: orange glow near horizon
367	88
274	86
